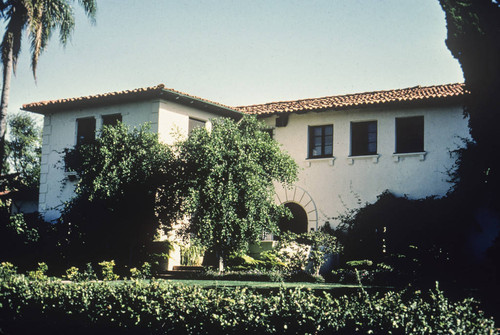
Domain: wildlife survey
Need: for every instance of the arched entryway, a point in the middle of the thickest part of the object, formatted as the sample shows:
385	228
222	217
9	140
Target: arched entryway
297	196
298	222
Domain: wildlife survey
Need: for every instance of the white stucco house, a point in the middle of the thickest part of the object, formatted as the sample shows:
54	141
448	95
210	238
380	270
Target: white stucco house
350	148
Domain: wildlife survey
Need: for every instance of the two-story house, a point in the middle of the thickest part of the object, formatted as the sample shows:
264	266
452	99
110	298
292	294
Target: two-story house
350	147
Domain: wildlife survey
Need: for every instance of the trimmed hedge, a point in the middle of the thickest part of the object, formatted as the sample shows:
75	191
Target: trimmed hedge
157	307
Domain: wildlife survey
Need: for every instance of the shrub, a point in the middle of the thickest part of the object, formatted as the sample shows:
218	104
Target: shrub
243	261
107	270
39	273
7	270
157	307
72	273
143	273
192	254
303	252
359	264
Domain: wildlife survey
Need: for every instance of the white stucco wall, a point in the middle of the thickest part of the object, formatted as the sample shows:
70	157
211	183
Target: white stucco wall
168	119
59	132
173	120
329	187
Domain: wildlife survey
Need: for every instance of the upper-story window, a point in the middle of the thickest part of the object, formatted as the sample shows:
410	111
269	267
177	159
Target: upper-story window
111	119
85	130
363	138
194	123
320	141
409	134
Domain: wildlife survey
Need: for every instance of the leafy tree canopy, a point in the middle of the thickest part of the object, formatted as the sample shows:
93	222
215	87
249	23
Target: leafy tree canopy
229	176
474	39
126	191
24	148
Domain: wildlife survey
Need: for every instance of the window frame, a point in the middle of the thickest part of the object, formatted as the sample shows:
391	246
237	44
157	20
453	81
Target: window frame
407	145
192	126
356	144
323	136
80	139
115	117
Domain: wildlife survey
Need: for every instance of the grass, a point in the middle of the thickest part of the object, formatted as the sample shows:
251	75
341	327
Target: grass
256	284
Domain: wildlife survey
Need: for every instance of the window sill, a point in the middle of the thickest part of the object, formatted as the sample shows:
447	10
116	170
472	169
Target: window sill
71	175
330	160
374	158
420	155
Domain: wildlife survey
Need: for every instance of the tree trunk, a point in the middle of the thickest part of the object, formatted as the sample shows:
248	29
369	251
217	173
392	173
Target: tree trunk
7	74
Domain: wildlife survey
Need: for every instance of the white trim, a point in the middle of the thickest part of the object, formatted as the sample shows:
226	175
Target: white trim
330	160
420	155
374	158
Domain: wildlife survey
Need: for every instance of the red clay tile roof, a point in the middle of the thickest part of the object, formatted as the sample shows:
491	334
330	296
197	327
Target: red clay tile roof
158	91
358	100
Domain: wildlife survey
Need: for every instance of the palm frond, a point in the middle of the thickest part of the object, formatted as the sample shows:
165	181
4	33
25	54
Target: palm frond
18	17
90	7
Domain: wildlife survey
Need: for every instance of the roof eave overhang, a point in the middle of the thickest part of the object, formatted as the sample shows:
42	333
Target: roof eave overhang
428	102
163	94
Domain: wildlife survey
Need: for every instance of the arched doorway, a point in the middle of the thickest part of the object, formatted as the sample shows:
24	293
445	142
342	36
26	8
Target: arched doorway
298	223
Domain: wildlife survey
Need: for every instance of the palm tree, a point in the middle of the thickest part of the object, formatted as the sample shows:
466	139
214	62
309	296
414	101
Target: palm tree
40	18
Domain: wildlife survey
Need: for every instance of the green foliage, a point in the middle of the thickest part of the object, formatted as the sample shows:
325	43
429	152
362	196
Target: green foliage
271	260
107	270
143	273
72	273
474	40
230	172
192	254
25	238
243	261
88	273
7	270
157	307
359	264
304	252
39	273
24	148
127	191
39	19
420	238
18	225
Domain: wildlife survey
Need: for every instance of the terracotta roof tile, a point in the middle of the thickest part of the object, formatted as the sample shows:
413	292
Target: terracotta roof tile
412	94
117	97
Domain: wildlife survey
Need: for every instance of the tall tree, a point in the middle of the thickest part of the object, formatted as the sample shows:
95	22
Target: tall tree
40	18
230	171
24	148
474	40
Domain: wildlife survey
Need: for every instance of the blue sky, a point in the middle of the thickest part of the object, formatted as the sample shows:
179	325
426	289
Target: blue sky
241	52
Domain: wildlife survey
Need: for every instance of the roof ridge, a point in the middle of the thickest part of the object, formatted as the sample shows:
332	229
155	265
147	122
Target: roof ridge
36	106
351	94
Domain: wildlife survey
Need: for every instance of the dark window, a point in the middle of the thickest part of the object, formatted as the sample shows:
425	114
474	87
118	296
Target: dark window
363	138
193	123
410	134
111	119
321	141
282	120
85	132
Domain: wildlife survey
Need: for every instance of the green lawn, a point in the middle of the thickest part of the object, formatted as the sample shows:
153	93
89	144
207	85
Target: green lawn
258	284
